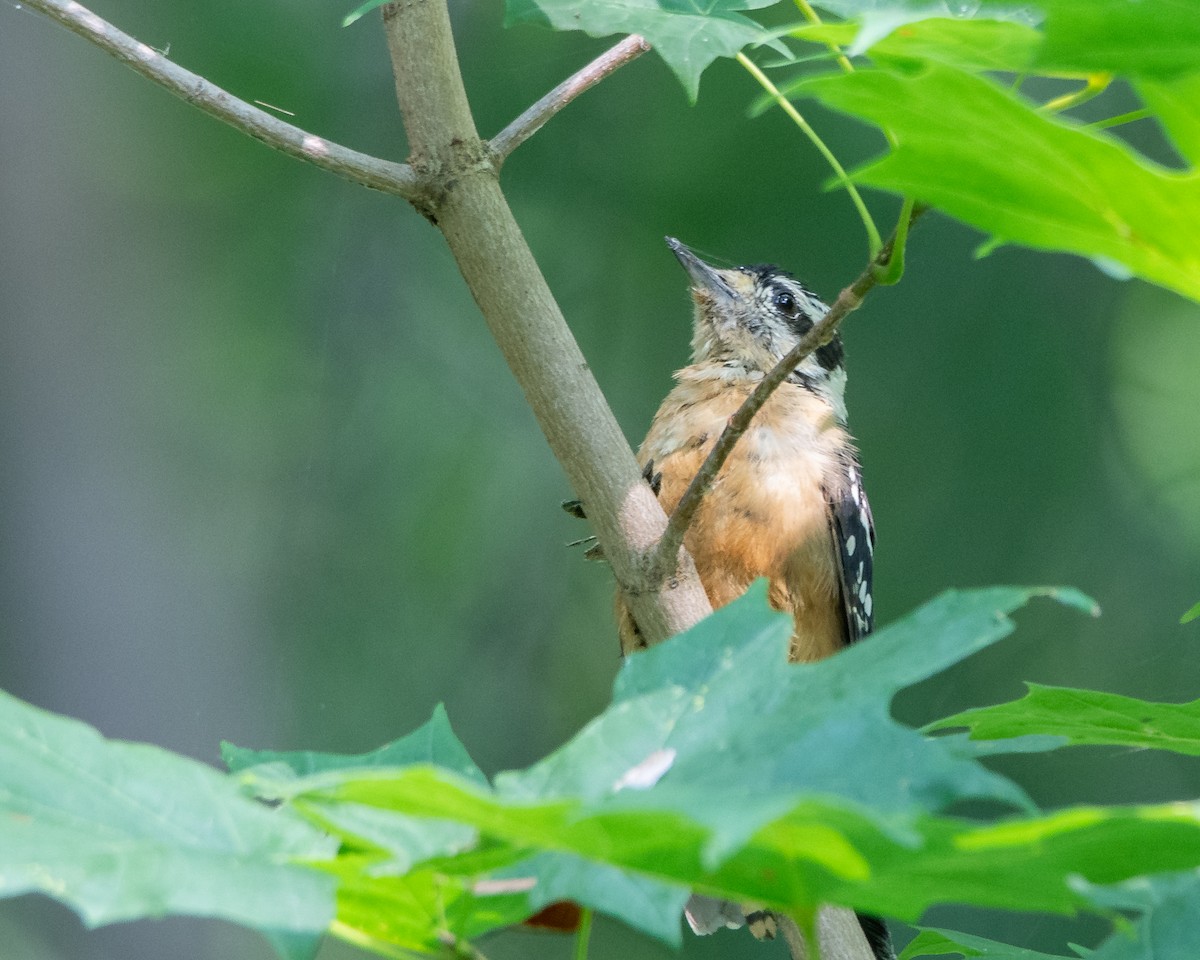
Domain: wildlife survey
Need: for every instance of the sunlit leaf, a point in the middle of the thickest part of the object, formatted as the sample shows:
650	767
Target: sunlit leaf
416	910
636	812
1148	38
983	154
966	44
406	840
876	19
1177	103
818	851
814	727
385	899
1087	717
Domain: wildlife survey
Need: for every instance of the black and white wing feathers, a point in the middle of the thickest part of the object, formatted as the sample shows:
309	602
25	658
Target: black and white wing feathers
852	530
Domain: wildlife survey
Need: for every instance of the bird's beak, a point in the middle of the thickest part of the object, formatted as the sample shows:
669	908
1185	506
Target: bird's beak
705	278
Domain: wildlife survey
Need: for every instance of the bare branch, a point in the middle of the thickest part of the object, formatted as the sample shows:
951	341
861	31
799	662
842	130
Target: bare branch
821	333
532	120
838	932
394	178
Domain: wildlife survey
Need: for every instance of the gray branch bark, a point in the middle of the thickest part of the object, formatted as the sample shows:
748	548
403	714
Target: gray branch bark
395	178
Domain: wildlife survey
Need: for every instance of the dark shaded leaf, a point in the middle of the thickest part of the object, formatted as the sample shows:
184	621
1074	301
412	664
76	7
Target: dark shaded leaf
433	742
985	155
1169	908
122	830
688	36
941	943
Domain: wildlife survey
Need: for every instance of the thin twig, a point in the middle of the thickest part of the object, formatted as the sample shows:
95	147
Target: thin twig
812	16
394	178
1116	121
873	242
532	120
822	331
843	61
583	935
1095	85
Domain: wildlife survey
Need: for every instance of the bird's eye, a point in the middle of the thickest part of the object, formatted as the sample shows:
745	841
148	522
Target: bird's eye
785	303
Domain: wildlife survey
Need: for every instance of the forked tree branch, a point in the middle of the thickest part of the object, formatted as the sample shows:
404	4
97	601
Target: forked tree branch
820	334
378	174
394	178
532	120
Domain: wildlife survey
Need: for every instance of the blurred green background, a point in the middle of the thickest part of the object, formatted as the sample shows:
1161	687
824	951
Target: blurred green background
264	476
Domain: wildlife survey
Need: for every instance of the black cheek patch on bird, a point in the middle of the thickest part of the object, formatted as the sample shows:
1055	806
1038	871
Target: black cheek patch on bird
831	355
800	324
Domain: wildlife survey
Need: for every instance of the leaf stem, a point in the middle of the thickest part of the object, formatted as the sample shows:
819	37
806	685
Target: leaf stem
1140	114
353	935
890	273
873	240
584	934
813	17
1095	85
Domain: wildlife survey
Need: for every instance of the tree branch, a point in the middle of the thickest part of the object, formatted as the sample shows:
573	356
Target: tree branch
532	120
394	178
820	334
464	199
838	931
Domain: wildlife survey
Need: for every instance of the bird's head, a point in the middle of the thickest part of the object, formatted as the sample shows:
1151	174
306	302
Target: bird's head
748	318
